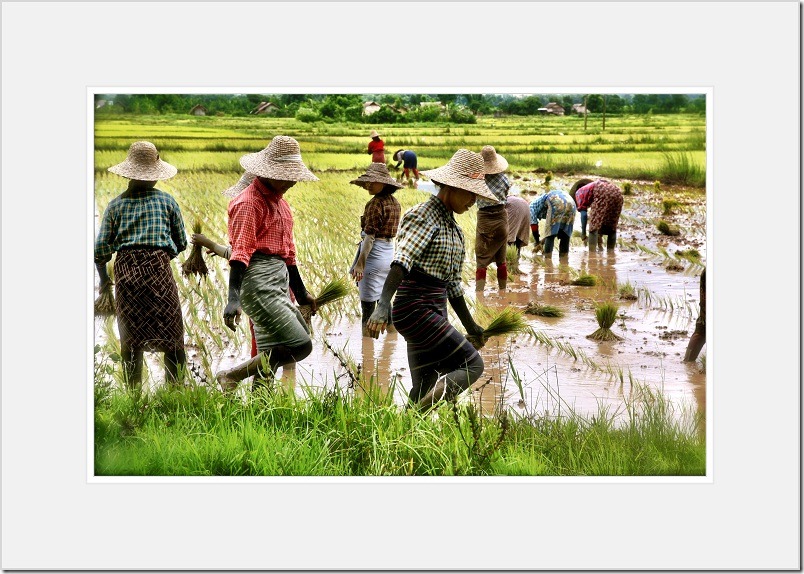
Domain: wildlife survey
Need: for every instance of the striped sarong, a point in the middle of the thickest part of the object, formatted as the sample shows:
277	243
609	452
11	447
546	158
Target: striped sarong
264	298
147	301
378	264
434	346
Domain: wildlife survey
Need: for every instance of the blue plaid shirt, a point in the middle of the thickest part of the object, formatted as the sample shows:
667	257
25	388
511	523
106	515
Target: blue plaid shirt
430	239
141	218
499	186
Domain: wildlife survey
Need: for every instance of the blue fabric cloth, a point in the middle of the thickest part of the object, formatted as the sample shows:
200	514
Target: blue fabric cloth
378	264
409	160
557	208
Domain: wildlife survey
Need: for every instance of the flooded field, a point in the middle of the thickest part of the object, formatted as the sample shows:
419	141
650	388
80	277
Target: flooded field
559	368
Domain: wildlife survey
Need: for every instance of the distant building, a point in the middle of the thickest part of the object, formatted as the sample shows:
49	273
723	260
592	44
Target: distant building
198	110
578	109
99	104
552	109
370	108
264	108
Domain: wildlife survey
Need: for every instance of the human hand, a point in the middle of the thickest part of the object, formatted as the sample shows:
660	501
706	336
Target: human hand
310	300
231	315
475	337
356	273
378	321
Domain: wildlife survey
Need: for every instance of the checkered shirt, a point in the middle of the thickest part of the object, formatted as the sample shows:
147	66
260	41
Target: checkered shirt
141	218
381	216
499	186
260	220
431	240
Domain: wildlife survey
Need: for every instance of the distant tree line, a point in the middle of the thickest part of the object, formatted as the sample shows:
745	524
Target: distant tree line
398	108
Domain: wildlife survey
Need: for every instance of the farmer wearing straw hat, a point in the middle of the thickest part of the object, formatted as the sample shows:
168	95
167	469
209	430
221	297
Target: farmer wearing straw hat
407	158
145	227
425	274
491	240
604	201
379	225
263	263
376	148
557	209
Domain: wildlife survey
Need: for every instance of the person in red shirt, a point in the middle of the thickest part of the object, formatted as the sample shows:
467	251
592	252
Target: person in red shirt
376	148
263	263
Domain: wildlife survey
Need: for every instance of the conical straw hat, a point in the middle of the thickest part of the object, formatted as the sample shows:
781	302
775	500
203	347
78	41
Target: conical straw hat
495	163
244	181
143	163
377	172
280	160
465	170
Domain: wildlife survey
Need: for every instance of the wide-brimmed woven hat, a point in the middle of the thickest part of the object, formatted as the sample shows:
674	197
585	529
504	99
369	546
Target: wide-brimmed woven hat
465	170
495	163
244	181
377	172
143	163
280	160
374	134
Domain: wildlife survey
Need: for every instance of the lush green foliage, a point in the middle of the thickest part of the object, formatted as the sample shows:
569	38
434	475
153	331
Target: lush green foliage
194	432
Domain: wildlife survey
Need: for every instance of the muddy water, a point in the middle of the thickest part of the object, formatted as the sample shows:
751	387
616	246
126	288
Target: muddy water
655	330
654	340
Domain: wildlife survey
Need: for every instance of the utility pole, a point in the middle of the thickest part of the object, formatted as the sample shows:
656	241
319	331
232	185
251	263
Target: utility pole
585	113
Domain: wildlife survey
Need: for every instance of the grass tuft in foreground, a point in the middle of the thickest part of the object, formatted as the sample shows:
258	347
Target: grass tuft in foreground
197	432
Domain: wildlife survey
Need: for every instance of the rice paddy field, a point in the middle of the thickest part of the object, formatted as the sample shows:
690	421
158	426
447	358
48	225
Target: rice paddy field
553	370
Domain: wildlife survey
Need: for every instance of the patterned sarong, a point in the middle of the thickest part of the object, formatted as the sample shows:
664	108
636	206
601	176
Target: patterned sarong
435	347
492	235
378	264
147	301
264	298
604	212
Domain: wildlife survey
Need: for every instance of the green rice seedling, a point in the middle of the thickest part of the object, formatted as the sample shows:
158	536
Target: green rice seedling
548	178
104	304
334	290
628	188
606	314
668	205
657	186
666	229
543	310
512	259
585	280
506	322
194	264
626	291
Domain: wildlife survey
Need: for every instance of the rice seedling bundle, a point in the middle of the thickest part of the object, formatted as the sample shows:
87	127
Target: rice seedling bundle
194	264
506	322
627	291
585	280
606	314
543	310
332	291
628	188
104	304
666	229
512	259
668	205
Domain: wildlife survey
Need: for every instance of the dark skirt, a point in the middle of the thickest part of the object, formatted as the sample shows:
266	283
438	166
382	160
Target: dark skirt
147	301
434	346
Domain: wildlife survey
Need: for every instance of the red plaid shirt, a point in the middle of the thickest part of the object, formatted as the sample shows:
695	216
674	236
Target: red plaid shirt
260	220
